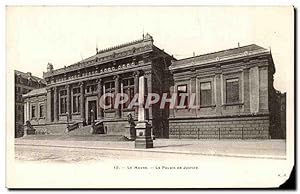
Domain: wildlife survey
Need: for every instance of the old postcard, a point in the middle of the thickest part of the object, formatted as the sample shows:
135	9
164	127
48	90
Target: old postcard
149	97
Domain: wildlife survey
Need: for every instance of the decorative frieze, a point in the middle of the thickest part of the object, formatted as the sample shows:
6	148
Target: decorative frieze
104	59
98	70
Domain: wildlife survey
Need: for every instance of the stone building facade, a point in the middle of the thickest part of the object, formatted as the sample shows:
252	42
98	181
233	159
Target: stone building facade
24	83
233	91
72	94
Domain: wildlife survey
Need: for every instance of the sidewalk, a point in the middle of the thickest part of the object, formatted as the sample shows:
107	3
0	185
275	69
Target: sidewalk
269	149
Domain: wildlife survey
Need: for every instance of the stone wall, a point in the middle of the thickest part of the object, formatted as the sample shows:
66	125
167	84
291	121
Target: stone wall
53	129
251	127
116	127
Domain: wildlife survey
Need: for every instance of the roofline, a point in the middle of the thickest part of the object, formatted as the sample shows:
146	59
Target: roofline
216	52
147	38
41	79
31	95
162	50
218	60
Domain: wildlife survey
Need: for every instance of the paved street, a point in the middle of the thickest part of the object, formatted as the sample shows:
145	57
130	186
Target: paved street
213	162
64	154
76	151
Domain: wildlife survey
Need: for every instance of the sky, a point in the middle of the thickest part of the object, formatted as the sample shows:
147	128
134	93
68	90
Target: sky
65	35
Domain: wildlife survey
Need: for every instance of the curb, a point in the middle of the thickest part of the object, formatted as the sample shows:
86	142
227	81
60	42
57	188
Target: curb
160	151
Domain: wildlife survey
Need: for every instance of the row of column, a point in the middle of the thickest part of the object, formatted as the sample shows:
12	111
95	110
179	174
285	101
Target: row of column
53	107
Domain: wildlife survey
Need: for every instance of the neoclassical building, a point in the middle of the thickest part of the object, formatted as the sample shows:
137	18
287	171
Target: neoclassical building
72	93
234	92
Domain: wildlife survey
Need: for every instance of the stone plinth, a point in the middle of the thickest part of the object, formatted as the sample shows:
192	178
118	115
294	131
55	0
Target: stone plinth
143	135
143	129
29	130
130	132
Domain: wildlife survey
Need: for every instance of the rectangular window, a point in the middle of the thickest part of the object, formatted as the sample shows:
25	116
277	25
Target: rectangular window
205	94
63	101
232	91
109	88
32	111
182	93
128	89
76	100
63	93
91	88
76	91
76	104
42	110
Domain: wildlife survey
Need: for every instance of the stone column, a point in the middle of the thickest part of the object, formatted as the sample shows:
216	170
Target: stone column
136	90
191	99
148	89
82	104
25	112
28	111
117	90
254	89
100	93
246	90
141	108
218	96
69	101
55	106
263	89
37	110
48	106
143	129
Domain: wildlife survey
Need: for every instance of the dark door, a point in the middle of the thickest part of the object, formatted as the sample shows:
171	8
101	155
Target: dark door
92	111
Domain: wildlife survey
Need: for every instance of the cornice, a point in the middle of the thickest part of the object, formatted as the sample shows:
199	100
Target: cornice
101	60
193	62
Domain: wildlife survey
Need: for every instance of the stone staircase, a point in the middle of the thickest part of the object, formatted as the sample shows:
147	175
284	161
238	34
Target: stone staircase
58	132
84	134
82	131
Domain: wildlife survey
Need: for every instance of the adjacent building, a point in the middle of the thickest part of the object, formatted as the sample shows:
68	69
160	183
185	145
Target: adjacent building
234	92
24	83
233	89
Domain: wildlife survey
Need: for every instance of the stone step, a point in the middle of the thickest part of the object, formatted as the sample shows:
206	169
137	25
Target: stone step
68	137
82	131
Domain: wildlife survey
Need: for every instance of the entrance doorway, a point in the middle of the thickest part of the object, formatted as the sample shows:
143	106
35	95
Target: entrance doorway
92	111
